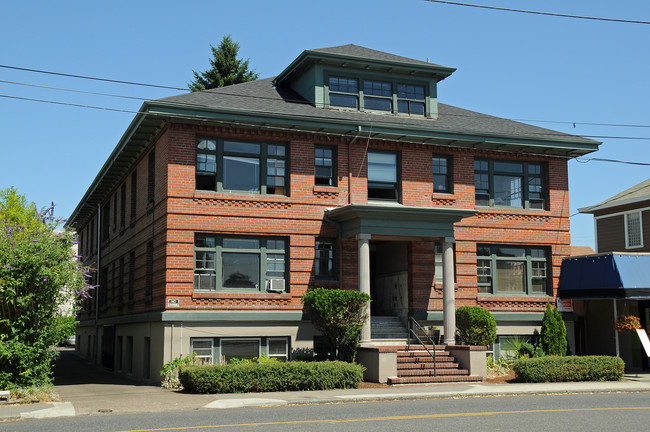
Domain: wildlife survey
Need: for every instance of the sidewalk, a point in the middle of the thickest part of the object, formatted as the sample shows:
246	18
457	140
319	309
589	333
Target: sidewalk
109	393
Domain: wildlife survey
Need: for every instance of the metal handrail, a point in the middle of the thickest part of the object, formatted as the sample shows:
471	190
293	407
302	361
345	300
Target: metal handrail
414	326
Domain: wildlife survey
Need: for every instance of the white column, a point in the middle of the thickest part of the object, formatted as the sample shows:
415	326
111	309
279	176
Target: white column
364	280
448	295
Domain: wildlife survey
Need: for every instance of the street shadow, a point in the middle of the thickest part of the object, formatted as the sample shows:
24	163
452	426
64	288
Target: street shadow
71	369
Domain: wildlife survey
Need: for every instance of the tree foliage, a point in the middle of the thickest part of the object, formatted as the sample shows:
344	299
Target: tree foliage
475	326
225	68
553	334
38	273
339	315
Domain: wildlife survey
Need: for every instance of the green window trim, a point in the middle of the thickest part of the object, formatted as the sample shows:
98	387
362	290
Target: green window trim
325	166
510	184
513	270
243	167
325	260
374	93
383	176
442	173
224	263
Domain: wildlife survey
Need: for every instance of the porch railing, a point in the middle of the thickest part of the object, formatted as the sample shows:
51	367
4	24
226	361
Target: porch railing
415	329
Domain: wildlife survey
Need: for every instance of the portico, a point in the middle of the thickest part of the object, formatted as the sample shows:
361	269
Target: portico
383	226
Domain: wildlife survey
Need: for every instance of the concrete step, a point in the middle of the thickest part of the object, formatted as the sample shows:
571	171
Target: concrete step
434	379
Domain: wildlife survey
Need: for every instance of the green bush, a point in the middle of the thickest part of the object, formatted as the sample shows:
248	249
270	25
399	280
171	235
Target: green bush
270	377
475	326
339	315
569	368
553	335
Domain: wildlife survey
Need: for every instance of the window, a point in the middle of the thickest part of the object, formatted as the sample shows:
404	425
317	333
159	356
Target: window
633	230
106	221
237	263
131	275
382	176
256	167
325	166
410	99
441	174
120	287
509	184
134	194
202	348
377	95
343	92
149	274
324	260
223	350
123	206
512	270
151	179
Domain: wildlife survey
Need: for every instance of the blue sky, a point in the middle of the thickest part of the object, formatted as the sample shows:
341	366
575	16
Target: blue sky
509	65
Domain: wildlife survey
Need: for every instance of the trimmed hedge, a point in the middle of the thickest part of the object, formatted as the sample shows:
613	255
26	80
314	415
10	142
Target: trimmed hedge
271	377
475	326
569	368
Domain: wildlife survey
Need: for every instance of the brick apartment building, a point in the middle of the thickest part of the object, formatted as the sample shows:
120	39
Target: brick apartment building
218	209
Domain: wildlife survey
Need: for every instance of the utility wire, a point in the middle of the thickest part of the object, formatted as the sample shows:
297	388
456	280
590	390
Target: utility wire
72	90
547	134
298	101
585	160
541	13
91	78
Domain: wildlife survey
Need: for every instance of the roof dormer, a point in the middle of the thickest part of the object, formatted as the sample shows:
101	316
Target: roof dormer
350	77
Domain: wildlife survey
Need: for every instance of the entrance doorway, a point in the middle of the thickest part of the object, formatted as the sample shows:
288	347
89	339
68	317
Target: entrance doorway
389	279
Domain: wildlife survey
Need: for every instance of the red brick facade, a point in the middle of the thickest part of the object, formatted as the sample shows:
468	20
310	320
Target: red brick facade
178	211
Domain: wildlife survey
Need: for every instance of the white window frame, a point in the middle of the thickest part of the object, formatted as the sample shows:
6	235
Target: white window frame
211	340
278	356
627	229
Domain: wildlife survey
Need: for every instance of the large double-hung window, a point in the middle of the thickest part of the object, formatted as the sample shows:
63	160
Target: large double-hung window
383	176
509	184
512	270
234	263
238	166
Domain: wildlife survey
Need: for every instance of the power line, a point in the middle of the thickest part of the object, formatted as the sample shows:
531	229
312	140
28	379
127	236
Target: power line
585	160
547	133
72	90
541	13
91	78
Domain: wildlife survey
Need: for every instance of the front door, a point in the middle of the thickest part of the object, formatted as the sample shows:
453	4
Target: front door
389	279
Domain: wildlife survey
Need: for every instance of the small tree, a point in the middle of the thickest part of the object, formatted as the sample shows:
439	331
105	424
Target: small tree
38	273
339	315
475	326
226	69
553	334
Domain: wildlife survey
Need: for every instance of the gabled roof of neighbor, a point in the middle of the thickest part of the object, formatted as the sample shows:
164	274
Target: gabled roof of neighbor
635	194
265	105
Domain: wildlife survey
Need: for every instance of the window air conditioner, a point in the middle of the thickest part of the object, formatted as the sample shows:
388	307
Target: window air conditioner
275	285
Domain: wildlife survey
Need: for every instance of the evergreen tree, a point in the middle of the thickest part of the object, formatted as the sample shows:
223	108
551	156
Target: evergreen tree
553	336
226	69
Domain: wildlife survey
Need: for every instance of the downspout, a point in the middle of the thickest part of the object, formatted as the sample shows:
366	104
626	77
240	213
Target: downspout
99	287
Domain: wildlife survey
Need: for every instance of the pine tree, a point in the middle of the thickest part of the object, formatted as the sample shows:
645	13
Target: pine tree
553	335
226	69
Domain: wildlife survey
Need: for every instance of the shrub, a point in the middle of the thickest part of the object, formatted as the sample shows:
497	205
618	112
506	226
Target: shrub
553	334
170	370
271	377
339	315
475	326
569	368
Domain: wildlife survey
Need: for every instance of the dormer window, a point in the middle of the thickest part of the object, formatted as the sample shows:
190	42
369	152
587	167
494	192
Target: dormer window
410	99
377	96
389	96
344	92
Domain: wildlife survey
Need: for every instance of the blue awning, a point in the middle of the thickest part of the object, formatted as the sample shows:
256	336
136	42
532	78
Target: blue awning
606	276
